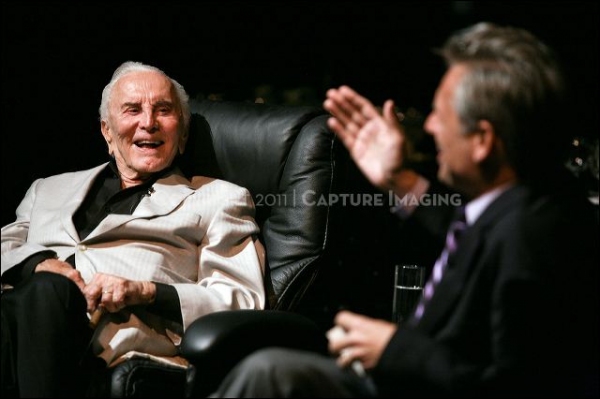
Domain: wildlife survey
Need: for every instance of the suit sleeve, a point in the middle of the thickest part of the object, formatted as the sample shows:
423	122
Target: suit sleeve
15	248
231	259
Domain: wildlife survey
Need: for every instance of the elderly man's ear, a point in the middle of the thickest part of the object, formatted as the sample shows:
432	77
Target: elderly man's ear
106	134
183	141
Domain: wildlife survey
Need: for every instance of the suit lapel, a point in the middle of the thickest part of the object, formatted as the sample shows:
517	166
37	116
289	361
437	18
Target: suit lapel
81	186
166	194
461	264
450	287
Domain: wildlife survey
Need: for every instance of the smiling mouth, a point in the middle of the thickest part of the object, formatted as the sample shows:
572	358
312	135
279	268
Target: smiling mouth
148	144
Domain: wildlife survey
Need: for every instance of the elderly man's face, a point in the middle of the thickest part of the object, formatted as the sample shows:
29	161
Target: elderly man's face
144	129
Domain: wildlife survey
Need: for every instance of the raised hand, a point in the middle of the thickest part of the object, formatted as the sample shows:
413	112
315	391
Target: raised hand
374	139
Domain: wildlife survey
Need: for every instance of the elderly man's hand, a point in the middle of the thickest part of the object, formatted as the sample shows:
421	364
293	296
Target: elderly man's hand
113	293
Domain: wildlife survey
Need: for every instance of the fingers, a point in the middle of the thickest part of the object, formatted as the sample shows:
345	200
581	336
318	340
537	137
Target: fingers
339	337
338	343
348	320
391	115
341	124
360	126
112	298
336	337
75	276
106	293
389	112
345	358
349	356
347	136
99	302
61	267
351	109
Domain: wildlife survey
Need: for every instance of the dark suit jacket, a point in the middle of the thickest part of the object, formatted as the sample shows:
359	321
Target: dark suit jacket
516	312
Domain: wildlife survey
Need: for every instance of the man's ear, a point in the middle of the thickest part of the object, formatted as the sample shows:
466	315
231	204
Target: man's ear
185	134
106	134
484	141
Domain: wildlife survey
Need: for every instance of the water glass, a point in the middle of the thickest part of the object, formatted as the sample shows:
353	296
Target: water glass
408	288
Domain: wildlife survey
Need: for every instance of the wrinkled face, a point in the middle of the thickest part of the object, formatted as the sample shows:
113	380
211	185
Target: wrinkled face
144	130
457	166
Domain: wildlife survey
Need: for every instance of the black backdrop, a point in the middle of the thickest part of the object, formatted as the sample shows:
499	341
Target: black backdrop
57	57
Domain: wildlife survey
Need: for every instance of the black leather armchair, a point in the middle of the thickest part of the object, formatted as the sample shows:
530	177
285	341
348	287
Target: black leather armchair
285	156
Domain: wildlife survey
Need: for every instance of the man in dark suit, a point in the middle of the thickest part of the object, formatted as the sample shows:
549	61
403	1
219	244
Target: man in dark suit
512	311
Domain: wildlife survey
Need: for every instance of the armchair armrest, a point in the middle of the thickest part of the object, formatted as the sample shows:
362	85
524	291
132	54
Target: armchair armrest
215	343
235	333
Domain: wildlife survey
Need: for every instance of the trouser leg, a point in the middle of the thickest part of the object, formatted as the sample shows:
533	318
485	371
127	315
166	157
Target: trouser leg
8	371
47	326
286	373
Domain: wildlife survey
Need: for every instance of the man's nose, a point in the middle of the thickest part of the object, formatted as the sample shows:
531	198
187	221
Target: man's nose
428	124
149	121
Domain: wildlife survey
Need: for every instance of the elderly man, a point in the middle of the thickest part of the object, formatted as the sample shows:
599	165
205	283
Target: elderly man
132	240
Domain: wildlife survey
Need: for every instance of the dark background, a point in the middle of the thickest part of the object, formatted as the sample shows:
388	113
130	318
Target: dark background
57	57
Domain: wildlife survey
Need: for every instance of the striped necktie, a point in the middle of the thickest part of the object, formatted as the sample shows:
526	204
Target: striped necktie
458	225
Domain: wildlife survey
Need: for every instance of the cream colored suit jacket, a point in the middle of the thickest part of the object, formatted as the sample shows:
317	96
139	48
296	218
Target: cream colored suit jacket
198	236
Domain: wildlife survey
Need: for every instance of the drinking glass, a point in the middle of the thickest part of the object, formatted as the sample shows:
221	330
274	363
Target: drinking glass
408	288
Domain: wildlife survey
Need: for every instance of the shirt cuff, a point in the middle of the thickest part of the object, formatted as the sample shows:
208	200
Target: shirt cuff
405	206
166	302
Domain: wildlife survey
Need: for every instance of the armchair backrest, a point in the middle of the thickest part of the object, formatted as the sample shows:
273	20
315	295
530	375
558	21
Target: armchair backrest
284	155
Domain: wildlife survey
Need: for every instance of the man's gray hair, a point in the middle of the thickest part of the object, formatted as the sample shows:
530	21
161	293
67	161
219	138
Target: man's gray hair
515	82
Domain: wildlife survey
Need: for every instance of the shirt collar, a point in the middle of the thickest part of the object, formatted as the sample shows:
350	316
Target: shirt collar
113	167
475	208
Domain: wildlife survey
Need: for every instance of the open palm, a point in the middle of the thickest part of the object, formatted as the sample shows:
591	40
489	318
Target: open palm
374	139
